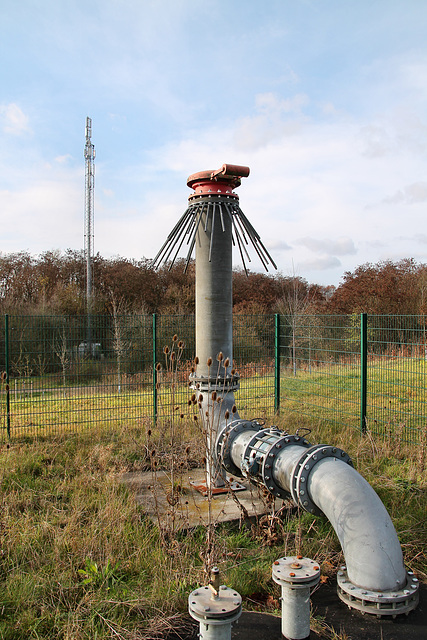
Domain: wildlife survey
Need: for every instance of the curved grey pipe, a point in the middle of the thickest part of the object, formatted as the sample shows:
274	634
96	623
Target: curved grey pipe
368	538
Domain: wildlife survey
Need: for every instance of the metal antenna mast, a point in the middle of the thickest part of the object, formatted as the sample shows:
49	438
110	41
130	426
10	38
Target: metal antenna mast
88	231
89	199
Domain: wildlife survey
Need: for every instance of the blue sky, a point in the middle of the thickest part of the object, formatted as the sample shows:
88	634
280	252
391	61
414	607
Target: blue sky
324	100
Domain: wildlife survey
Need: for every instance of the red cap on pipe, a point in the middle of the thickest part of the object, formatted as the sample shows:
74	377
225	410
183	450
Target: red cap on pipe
219	182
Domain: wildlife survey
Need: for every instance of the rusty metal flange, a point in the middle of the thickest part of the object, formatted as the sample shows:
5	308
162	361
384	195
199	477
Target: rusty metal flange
226	608
219	384
296	571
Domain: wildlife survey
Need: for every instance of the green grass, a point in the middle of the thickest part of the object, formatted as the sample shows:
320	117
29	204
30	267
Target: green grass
80	559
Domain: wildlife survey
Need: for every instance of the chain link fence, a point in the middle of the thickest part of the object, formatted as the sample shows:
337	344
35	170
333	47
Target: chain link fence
65	374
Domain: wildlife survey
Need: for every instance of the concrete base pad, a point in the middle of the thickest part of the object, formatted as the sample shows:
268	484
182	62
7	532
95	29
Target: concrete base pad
187	506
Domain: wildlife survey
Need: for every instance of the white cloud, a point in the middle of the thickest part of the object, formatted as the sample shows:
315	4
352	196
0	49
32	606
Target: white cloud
322	263
63	159
40	216
411	194
340	246
278	246
13	120
274	118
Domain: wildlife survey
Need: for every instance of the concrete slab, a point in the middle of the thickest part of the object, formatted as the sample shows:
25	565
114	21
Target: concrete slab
188	507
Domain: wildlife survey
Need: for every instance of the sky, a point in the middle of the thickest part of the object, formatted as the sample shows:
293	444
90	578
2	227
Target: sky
324	100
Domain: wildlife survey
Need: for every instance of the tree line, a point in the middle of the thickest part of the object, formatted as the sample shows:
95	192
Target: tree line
55	283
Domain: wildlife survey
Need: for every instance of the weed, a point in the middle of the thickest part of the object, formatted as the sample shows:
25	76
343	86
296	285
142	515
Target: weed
95	577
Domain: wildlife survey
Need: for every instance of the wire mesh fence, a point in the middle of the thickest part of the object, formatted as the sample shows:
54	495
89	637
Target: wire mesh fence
365	371
65	374
397	377
320	367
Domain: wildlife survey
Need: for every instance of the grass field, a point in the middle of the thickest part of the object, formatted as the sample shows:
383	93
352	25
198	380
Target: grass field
80	559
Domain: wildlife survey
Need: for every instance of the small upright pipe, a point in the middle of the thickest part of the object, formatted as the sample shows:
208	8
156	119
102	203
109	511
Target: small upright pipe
215	607
297	576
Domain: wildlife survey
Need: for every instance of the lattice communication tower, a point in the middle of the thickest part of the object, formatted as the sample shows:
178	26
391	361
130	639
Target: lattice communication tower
89	201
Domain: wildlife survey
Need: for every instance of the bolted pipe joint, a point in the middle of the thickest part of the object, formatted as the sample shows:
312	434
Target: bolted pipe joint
303	468
382	604
297	576
222	384
226	441
215	609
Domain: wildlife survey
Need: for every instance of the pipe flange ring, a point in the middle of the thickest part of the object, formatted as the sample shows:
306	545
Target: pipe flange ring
253	455
303	469
269	459
379	603
251	458
225	440
221	385
225	609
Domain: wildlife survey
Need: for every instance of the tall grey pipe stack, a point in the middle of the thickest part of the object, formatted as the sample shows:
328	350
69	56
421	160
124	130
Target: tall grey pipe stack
213	223
320	478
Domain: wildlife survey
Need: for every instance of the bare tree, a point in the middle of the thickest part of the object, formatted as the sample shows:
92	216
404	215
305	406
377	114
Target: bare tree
63	356
293	305
120	345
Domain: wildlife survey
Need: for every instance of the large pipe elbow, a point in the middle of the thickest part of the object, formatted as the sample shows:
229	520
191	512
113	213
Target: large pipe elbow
322	480
363	526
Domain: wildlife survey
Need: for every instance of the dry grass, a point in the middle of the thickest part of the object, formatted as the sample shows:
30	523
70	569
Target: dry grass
80	559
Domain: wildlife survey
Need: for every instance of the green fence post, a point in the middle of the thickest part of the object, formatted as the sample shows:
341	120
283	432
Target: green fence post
363	369
6	358
277	363
154	368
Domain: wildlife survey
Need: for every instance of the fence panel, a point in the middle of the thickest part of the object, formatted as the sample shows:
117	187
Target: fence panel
397	377
65	374
320	367
253	354
59	380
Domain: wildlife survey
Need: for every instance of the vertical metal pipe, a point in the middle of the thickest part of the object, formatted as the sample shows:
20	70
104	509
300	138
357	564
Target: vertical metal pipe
297	576
215	610
214	297
363	369
214	327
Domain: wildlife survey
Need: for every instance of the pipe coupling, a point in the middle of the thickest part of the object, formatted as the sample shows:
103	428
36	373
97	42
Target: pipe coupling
225	441
303	468
260	455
